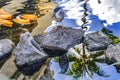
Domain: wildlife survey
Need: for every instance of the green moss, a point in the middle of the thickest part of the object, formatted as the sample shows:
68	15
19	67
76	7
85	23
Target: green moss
112	37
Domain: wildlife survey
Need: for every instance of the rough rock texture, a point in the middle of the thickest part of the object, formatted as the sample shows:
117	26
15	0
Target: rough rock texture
38	38
113	52
113	55
28	55
61	39
6	47
96	41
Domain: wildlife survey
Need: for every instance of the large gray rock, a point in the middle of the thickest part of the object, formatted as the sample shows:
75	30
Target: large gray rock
28	54
6	48
113	52
58	41
96	41
113	55
38	38
62	38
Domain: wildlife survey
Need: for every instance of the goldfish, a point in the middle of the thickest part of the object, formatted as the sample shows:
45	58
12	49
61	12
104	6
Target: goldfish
6	23
22	21
4	16
29	16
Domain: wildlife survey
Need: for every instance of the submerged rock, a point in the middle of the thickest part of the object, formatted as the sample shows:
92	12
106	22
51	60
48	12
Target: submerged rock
61	39
6	48
96	41
28	55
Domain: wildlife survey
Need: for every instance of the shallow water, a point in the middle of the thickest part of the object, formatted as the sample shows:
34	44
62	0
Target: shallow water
8	67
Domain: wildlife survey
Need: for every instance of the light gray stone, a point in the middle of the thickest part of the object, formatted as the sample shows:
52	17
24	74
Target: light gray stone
28	54
96	41
113	52
62	38
6	48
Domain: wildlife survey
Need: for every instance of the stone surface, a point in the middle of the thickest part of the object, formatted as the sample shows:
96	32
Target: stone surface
28	54
113	55
38	38
113	52
96	41
62	38
6	47
9	68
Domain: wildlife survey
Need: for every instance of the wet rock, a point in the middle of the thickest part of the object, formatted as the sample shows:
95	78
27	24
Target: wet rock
28	55
96	41
6	47
113	54
61	39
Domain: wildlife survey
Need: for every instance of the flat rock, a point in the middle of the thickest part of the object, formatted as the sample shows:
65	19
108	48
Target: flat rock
6	48
50	52
62	38
96	41
28	54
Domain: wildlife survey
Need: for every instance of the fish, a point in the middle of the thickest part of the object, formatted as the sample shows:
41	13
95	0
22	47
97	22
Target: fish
6	23
29	17
22	21
4	16
64	63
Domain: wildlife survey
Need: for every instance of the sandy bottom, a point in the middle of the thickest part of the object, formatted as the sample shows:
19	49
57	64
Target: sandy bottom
43	23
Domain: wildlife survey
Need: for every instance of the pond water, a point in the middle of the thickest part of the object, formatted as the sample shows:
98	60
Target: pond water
8	69
78	13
